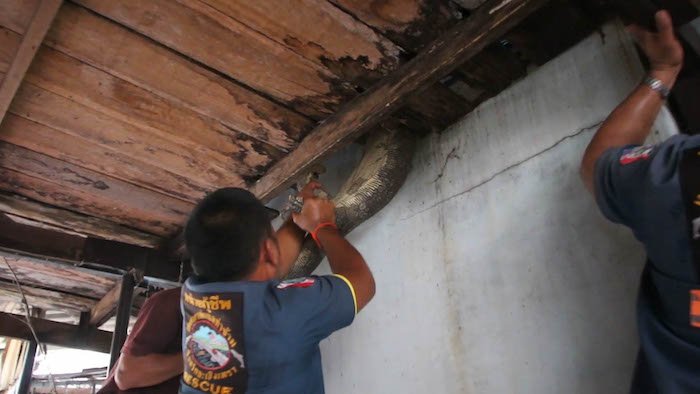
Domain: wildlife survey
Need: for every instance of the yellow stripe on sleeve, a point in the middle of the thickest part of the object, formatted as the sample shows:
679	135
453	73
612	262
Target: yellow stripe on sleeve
352	289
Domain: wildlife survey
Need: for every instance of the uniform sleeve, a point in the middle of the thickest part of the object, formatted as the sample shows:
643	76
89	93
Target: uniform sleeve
159	322
319	305
627	178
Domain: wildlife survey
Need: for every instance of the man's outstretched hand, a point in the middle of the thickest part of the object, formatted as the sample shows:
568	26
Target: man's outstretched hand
663	49
316	210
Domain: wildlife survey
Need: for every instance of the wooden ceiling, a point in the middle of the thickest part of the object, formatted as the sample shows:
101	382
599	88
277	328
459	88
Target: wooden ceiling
132	110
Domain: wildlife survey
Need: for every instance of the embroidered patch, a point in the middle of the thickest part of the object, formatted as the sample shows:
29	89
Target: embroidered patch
298	282
632	155
214	352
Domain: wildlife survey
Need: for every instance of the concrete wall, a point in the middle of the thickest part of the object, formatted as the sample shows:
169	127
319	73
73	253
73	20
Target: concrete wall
495	272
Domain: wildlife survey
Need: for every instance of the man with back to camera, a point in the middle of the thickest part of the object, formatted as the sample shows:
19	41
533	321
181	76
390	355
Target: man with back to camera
244	330
151	358
655	191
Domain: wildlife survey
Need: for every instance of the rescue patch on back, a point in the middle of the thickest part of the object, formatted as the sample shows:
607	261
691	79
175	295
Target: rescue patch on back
214	350
632	155
296	283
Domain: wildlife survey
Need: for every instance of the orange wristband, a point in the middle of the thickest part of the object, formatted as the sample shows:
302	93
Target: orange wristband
314	234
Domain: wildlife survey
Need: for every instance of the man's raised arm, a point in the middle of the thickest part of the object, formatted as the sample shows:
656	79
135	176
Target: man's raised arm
318	218
631	122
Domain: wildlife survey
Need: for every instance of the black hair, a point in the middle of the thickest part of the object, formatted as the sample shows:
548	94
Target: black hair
224	235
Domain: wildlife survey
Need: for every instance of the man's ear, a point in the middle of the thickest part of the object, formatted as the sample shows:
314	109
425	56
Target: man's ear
271	252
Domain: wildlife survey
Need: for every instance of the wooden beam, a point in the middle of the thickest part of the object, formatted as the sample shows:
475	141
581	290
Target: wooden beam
106	307
72	250
61	184
43	17
458	45
56	274
53	333
45	299
75	222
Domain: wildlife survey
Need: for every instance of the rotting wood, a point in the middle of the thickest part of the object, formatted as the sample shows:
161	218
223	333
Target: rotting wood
209	36
101	196
50	109
42	225
79	33
45	299
50	274
72	221
104	309
31	41
412	24
105	159
77	200
54	333
453	48
328	36
320	32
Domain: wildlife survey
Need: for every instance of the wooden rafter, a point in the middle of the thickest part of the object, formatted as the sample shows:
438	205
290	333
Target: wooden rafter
75	222
459	44
39	26
45	299
54	333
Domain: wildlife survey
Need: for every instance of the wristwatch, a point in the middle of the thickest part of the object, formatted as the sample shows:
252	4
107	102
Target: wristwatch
657	86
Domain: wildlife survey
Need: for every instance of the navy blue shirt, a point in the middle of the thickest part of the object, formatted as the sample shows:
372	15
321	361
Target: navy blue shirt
261	337
639	186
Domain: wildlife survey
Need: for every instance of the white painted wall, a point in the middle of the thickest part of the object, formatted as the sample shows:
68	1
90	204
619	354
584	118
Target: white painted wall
495	272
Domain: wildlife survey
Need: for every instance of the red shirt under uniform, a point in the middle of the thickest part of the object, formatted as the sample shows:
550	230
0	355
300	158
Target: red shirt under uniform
158	329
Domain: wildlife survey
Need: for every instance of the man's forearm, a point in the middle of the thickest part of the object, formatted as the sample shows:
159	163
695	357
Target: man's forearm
290	238
345	260
148	370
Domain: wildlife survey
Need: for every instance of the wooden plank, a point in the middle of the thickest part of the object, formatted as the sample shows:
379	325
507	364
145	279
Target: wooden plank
72	221
79	33
34	35
320	32
104	309
209	36
335	40
50	109
89	86
105	159
46	299
453	48
53	333
58	183
60	277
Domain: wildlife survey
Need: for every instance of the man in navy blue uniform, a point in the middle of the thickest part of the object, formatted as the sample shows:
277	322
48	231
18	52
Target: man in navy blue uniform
655	191
244	329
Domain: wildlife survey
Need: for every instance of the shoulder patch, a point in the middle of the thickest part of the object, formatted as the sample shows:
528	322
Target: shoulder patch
298	282
632	155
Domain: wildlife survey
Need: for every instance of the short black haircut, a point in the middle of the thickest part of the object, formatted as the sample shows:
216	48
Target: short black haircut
224	234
